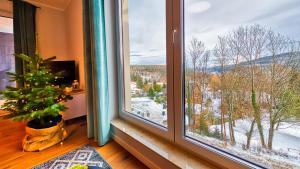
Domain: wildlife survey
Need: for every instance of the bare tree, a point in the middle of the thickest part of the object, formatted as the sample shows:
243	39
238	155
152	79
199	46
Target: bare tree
282	100
250	43
246	84
202	69
195	51
221	53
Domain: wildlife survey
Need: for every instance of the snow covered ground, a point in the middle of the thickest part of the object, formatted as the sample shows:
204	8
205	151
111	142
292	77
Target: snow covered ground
286	141
149	109
286	144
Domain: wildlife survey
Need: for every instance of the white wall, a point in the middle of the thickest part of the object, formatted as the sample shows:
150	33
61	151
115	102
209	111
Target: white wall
74	30
60	34
51	34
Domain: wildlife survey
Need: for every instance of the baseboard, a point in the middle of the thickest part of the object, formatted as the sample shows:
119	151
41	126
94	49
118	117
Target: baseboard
81	119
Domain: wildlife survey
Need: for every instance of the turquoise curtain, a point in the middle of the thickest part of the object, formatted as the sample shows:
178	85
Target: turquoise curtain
96	74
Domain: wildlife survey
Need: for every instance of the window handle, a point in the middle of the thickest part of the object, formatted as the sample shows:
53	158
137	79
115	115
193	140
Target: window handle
174	32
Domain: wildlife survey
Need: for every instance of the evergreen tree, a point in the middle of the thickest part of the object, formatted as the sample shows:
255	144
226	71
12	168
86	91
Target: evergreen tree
151	92
139	82
216	133
157	88
161	100
37	98
203	127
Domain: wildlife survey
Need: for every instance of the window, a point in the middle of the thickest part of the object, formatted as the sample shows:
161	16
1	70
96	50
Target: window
242	78
145	60
7	59
229	75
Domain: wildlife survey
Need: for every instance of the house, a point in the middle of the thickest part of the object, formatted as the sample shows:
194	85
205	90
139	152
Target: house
133	84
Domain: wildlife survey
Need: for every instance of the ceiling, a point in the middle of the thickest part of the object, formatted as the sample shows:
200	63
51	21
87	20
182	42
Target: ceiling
54	4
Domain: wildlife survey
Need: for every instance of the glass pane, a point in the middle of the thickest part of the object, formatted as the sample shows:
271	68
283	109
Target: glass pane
242	78
7	59
144	49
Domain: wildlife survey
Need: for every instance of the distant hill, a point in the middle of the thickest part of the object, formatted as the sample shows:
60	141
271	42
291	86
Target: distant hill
216	69
148	68
261	61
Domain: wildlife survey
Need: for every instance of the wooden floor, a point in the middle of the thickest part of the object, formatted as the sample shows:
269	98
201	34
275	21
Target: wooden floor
12	156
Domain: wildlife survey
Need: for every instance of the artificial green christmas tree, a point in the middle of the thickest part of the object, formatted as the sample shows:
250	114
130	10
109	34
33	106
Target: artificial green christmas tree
37	98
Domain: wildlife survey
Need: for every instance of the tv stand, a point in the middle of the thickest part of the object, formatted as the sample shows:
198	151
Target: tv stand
76	106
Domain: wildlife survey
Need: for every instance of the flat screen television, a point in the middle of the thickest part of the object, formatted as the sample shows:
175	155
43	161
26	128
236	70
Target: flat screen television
68	69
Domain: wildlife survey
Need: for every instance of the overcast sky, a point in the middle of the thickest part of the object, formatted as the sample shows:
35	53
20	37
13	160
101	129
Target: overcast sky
205	20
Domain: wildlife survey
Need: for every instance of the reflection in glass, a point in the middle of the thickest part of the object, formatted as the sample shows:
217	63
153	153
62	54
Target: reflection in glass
7	59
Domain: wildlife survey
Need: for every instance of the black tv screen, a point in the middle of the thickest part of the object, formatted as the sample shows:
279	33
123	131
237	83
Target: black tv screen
68	69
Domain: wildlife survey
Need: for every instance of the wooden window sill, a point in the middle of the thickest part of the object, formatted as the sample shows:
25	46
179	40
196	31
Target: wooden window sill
152	150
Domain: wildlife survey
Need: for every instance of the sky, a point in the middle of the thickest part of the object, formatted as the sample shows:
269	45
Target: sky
205	20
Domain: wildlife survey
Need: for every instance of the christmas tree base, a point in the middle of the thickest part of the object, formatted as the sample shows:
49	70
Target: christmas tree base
40	139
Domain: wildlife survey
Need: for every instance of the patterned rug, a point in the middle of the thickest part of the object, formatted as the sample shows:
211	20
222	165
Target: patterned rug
86	155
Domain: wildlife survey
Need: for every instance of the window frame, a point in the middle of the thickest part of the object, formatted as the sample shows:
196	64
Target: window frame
175	131
201	149
164	132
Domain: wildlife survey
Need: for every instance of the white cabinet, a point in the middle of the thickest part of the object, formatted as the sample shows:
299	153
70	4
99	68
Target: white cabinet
76	106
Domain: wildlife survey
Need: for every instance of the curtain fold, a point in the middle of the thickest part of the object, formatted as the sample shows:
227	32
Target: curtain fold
24	31
96	72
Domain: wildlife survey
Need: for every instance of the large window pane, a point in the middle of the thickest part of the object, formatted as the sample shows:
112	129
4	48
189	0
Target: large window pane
242	78
144	59
7	59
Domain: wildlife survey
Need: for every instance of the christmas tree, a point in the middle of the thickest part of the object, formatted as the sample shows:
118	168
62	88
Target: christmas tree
37	98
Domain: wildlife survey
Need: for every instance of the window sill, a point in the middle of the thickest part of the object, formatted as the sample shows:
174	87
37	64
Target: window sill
152	150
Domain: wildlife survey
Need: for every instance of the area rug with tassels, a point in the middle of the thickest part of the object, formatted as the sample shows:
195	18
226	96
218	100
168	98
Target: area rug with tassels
84	156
